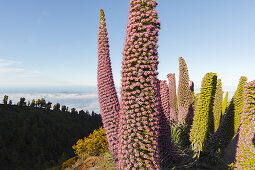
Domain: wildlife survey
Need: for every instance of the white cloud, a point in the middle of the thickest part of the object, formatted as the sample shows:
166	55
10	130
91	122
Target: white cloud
30	73
11	70
80	101
4	63
35	72
9	66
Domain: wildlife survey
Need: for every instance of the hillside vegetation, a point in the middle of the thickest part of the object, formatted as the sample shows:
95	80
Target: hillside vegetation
40	138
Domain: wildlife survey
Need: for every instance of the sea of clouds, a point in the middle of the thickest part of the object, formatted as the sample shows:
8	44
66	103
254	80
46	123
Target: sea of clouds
80	101
79	98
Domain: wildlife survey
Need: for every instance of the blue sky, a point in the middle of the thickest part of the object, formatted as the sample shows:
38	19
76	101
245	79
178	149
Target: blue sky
53	43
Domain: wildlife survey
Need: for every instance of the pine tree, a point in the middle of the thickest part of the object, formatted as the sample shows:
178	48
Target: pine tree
108	99
63	108
245	155
172	97
139	115
202	122
183	97
217	106
48	105
56	107
32	104
22	101
5	100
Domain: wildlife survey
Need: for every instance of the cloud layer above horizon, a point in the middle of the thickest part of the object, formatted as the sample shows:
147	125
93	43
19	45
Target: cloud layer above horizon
80	101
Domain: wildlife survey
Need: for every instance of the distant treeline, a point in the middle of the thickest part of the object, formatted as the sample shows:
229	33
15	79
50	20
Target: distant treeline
41	103
34	136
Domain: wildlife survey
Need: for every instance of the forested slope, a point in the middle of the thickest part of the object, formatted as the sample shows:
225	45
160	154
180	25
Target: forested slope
40	138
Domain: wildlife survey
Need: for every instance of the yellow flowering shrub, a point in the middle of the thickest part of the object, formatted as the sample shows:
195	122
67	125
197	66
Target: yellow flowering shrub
95	144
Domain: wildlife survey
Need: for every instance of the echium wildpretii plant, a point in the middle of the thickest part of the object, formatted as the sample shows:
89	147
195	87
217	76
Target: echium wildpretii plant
139	115
164	98
172	96
226	129
168	153
201	126
108	99
238	100
183	97
217	106
224	103
245	155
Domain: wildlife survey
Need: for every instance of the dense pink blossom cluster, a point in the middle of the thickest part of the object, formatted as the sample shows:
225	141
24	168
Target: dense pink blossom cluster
167	149
108	100
183	97
139	115
245	154
164	99
172	97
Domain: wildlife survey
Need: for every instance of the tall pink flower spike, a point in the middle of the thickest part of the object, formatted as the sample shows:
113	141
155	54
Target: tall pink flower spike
172	97
167	149
139	115
108	99
185	110
245	153
165	100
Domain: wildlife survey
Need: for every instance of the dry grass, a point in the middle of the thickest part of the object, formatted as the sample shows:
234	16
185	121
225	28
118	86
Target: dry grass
102	162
